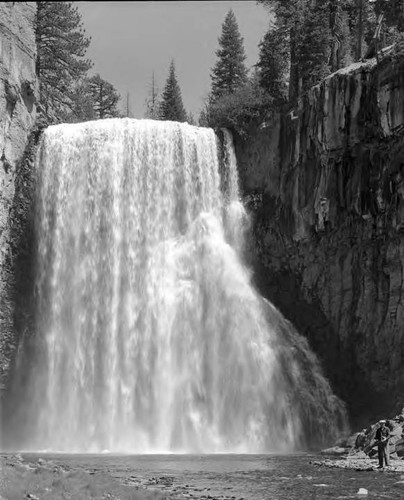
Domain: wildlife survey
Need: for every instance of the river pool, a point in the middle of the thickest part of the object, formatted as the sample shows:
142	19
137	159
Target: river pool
238	477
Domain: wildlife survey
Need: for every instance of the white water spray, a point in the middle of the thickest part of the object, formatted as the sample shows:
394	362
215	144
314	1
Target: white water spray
154	339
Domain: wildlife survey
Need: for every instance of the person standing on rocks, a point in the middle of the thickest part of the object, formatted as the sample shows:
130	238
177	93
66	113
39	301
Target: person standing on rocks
382	439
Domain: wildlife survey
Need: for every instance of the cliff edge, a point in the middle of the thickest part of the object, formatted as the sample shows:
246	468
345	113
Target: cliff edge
325	185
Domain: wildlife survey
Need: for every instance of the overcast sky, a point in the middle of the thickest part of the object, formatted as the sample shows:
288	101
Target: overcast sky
130	40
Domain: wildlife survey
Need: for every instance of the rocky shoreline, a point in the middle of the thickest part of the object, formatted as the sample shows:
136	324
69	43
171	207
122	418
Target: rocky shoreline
359	450
360	464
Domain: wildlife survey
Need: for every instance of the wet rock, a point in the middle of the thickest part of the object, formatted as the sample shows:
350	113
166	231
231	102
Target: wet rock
335	450
357	454
360	440
400	448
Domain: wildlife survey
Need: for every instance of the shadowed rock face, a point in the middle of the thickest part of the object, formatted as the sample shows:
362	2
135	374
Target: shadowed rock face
18	88
327	193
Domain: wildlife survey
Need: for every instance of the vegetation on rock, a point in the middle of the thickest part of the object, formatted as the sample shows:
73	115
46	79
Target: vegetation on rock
235	99
237	111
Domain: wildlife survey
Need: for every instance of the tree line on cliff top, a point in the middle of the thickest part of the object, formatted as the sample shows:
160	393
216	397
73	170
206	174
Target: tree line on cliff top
306	40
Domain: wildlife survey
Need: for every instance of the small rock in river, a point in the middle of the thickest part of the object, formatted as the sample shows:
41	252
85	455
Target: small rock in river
362	491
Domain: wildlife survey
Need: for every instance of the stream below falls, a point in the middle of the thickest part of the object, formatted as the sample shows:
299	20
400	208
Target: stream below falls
237	477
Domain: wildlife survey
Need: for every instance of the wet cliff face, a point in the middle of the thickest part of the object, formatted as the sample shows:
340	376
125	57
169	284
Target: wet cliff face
325	185
18	90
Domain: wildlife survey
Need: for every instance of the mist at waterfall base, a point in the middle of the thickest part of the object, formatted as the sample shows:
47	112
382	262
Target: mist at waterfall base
150	337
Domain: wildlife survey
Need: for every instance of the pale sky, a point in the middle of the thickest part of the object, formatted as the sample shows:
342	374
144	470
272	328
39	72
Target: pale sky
130	40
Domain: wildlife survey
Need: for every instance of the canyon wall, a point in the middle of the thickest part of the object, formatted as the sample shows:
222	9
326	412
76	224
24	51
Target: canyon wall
18	93
324	183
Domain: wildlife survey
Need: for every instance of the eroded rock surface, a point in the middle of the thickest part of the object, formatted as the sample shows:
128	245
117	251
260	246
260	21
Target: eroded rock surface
325	184
18	93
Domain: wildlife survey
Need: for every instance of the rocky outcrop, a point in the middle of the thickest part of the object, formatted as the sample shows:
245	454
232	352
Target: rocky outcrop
18	90
325	185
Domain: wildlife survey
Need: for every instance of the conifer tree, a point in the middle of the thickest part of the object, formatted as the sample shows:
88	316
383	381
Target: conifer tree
305	27
61	47
203	120
171	106
104	96
313	50
82	106
229	72
191	119
273	64
152	101
393	11
340	50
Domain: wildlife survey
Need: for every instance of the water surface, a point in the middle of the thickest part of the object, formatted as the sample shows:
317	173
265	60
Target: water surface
237	477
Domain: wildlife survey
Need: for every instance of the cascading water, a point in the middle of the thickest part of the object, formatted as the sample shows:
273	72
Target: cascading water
153	338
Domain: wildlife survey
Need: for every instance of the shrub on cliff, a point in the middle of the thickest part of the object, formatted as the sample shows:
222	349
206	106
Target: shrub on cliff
238	111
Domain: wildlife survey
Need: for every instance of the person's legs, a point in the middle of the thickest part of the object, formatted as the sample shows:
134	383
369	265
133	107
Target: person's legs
380	455
387	455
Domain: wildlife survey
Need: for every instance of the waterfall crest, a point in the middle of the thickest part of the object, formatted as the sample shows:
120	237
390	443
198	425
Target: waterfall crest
152	338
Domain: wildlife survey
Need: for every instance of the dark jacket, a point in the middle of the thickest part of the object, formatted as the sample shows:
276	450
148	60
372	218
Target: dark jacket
382	435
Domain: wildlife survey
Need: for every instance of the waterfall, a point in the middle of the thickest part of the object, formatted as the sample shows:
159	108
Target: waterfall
151	337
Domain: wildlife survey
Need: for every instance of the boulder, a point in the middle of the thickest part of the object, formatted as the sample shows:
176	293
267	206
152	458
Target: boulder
400	447
335	450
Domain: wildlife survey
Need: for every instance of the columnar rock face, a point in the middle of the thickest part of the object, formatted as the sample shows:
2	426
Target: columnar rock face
18	90
326	188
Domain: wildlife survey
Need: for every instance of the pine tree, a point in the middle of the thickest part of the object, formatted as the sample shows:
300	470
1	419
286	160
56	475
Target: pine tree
191	119
171	106
273	64
340	50
313	51
304	25
390	13
82	107
203	120
229	72
61	48
104	96
393	12
152	101
289	15
128	110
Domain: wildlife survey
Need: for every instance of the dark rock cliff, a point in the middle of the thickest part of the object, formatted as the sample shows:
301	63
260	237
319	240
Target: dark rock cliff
18	91
325	186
